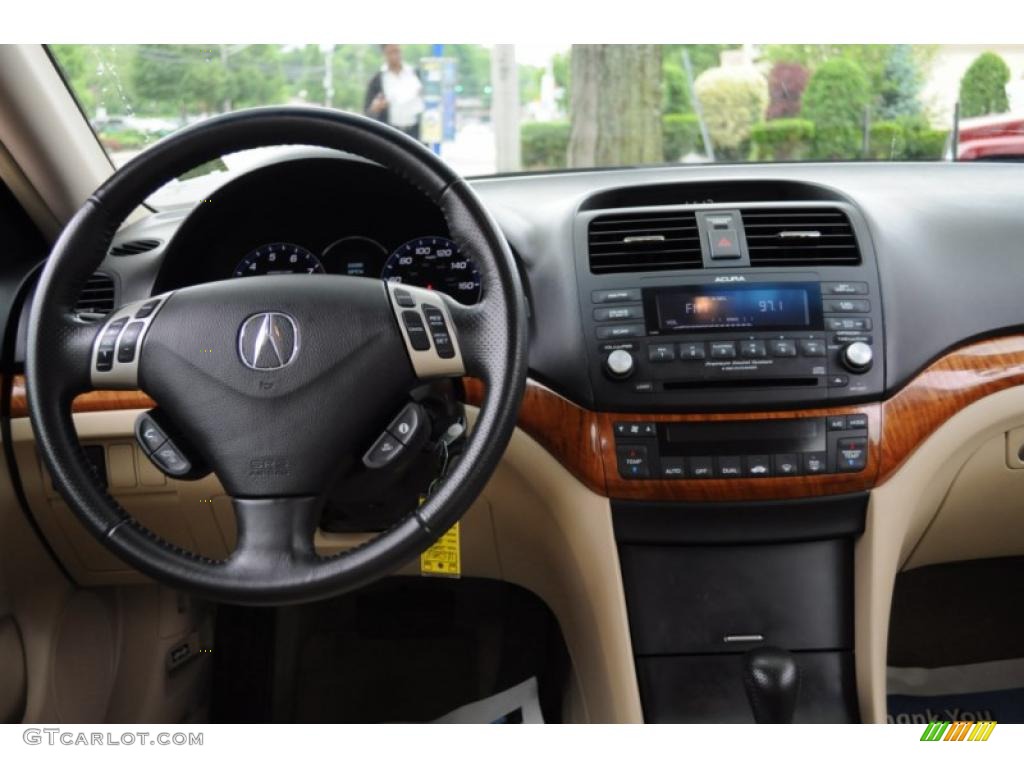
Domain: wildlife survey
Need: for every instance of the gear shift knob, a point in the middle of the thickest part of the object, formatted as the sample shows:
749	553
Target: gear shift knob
771	680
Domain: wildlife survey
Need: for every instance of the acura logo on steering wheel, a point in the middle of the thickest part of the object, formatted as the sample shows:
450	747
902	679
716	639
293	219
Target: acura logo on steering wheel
268	341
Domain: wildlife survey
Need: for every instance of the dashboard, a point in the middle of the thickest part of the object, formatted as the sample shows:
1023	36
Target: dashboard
315	216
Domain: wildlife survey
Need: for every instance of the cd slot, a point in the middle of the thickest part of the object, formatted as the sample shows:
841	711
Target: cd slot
792	381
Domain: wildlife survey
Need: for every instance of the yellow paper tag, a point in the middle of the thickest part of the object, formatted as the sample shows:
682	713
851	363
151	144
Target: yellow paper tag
443	557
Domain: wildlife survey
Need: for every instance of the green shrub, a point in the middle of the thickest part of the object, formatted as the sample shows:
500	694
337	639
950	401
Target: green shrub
733	100
544	145
926	144
680	136
835	100
126	138
983	87
788	138
887	141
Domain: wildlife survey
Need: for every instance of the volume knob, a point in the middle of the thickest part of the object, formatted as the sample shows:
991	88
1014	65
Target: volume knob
619	363
857	357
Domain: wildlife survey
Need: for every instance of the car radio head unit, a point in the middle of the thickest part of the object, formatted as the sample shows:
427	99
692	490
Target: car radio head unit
732	307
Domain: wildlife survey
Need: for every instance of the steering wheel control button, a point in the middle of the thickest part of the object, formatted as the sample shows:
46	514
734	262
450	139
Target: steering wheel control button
403	298
439	331
407	423
126	344
171	460
147	309
632	461
149	434
385	450
417	333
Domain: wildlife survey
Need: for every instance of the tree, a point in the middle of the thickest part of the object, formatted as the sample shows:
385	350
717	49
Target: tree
983	87
786	84
902	82
615	103
733	100
836	99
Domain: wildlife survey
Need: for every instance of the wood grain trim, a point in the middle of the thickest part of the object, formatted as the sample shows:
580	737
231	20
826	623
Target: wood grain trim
582	440
99	400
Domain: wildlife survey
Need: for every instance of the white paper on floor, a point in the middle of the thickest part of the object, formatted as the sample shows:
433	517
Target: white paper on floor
991	690
519	704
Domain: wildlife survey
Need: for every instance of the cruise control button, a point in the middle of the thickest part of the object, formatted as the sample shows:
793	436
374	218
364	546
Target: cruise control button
126	344
407	423
782	347
815	463
787	464
723	349
403	298
661	353
701	467
439	331
385	450
170	460
147	309
104	358
418	338
150	435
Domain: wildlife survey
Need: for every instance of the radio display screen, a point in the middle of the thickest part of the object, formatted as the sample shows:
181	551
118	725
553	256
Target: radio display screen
699	308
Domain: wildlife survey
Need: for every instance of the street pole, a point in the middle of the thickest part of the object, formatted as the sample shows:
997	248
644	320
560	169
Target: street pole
505	108
709	150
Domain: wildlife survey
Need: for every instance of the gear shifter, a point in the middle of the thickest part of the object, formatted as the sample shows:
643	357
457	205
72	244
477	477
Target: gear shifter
771	679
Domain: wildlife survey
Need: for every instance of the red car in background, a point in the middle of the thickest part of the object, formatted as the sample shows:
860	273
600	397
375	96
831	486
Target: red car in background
994	137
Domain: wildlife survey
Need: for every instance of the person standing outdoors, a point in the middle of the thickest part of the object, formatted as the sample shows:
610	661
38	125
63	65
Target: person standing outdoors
395	94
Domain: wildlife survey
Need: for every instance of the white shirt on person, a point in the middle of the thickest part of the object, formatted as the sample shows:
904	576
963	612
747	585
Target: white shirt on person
404	93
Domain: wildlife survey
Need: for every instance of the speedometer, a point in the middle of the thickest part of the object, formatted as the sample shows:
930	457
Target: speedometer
279	259
435	263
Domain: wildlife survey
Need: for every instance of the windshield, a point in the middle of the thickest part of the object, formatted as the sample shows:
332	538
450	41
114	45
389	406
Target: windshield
490	109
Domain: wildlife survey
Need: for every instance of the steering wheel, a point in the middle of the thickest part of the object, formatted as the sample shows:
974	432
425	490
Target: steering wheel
278	383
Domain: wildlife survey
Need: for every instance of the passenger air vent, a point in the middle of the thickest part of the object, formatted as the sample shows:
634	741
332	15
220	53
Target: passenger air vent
644	242
132	247
97	298
799	237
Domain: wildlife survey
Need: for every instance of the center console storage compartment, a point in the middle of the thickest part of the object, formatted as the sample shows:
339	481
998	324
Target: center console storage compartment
706	583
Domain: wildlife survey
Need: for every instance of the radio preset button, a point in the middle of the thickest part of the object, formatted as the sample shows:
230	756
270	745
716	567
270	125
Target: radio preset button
812	348
845	289
847	305
619	331
615	296
782	347
723	349
752	348
691	350
661	353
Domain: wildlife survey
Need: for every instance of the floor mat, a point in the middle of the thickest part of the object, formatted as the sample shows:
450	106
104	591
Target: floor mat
991	690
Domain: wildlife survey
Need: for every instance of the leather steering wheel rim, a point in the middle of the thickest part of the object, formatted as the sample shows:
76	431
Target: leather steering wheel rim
274	562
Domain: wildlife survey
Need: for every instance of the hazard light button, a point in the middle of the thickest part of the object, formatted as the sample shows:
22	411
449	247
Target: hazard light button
724	244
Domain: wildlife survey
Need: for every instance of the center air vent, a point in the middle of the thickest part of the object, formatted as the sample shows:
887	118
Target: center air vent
132	247
799	237
644	242
97	298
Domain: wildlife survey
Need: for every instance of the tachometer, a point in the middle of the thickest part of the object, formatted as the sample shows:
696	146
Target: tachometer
279	259
435	263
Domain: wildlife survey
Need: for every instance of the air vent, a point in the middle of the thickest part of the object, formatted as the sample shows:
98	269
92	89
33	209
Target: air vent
644	242
97	298
132	247
799	237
